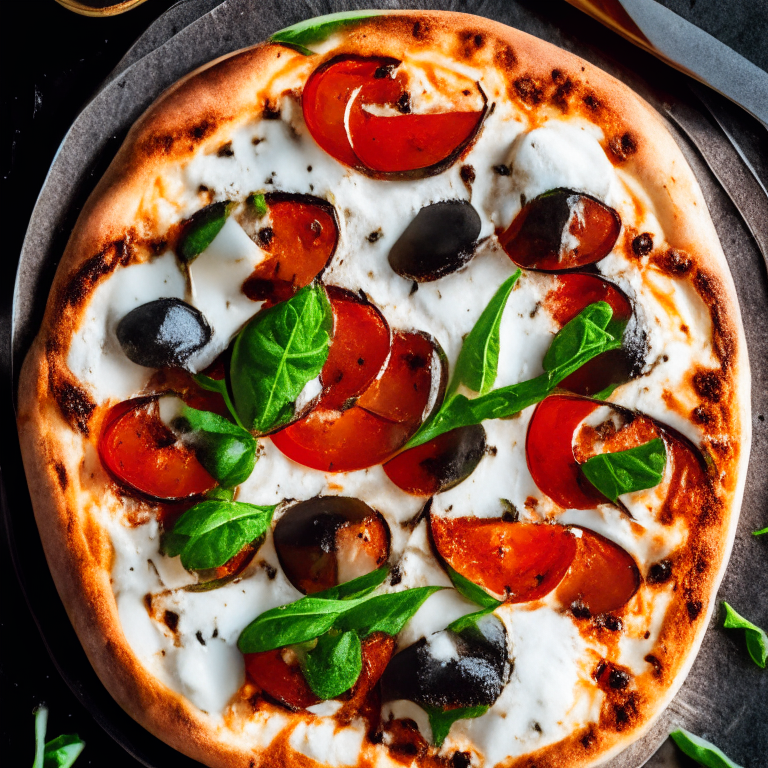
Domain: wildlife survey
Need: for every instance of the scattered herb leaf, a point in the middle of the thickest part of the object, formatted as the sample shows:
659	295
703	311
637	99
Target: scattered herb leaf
385	613
441	720
757	640
258	203
318	29
761	532
60	752
700	750
471	591
199	231
464	622
359	587
334	664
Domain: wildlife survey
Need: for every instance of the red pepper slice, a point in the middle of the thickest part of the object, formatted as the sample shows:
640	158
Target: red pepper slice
549	451
139	451
302	238
602	578
516	562
358	351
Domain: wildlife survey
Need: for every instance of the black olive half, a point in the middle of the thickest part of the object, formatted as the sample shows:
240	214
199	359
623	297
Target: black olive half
452	669
328	540
161	333
441	239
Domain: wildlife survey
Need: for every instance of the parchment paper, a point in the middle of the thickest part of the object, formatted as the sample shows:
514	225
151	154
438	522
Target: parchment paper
725	696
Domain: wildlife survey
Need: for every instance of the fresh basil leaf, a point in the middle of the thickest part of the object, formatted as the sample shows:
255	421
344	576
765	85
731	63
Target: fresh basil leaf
258	203
385	613
226	450
220	494
199	231
213	532
41	725
334	664
294	623
757	641
62	751
700	750
604	394
470	590
464	622
318	29
635	469
280	350
441	720
761	532
359	587
478	361
220	386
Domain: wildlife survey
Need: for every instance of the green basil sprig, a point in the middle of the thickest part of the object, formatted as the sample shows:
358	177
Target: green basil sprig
226	450
700	750
635	469
277	353
478	362
441	720
60	752
213	532
578	341
305	33
359	587
199	231
761	532
334	664
473	593
757	641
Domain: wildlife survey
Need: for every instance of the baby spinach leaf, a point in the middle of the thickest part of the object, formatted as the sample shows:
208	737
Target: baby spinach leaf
635	469
213	532
334	664
280	350
316	30
441	720
385	613
359	587
199	231
226	450
62	751
761	532
757	641
258	203
478	361
470	590
700	750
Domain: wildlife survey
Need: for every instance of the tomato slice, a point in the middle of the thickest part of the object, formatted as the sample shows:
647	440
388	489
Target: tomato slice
516	562
559	230
602	578
301	239
139	451
549	451
386	415
358	351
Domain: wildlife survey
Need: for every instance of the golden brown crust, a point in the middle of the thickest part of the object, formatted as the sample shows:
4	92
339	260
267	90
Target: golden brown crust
58	419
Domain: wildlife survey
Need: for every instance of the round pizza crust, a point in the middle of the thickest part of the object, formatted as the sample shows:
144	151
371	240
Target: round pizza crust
59	422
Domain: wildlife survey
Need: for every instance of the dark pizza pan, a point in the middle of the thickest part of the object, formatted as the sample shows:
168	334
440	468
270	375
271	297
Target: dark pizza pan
724	693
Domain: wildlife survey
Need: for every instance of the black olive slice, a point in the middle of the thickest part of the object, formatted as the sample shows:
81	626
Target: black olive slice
440	464
560	230
440	239
162	333
328	540
452	669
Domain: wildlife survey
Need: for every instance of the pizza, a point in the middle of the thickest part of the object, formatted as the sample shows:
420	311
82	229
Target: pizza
391	405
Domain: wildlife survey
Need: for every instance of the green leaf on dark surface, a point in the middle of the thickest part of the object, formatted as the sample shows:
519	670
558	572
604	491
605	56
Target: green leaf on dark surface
478	361
320	28
635	469
577	342
761	532
334	664
257	203
385	613
62	751
757	641
359	587
199	231
700	750
441	720
276	355
227	451
213	532
470	590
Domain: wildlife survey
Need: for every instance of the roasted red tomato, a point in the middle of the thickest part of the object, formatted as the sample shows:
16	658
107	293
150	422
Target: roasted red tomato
602	578
549	451
516	562
559	230
571	294
301	238
385	416
358	351
340	102
139	451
